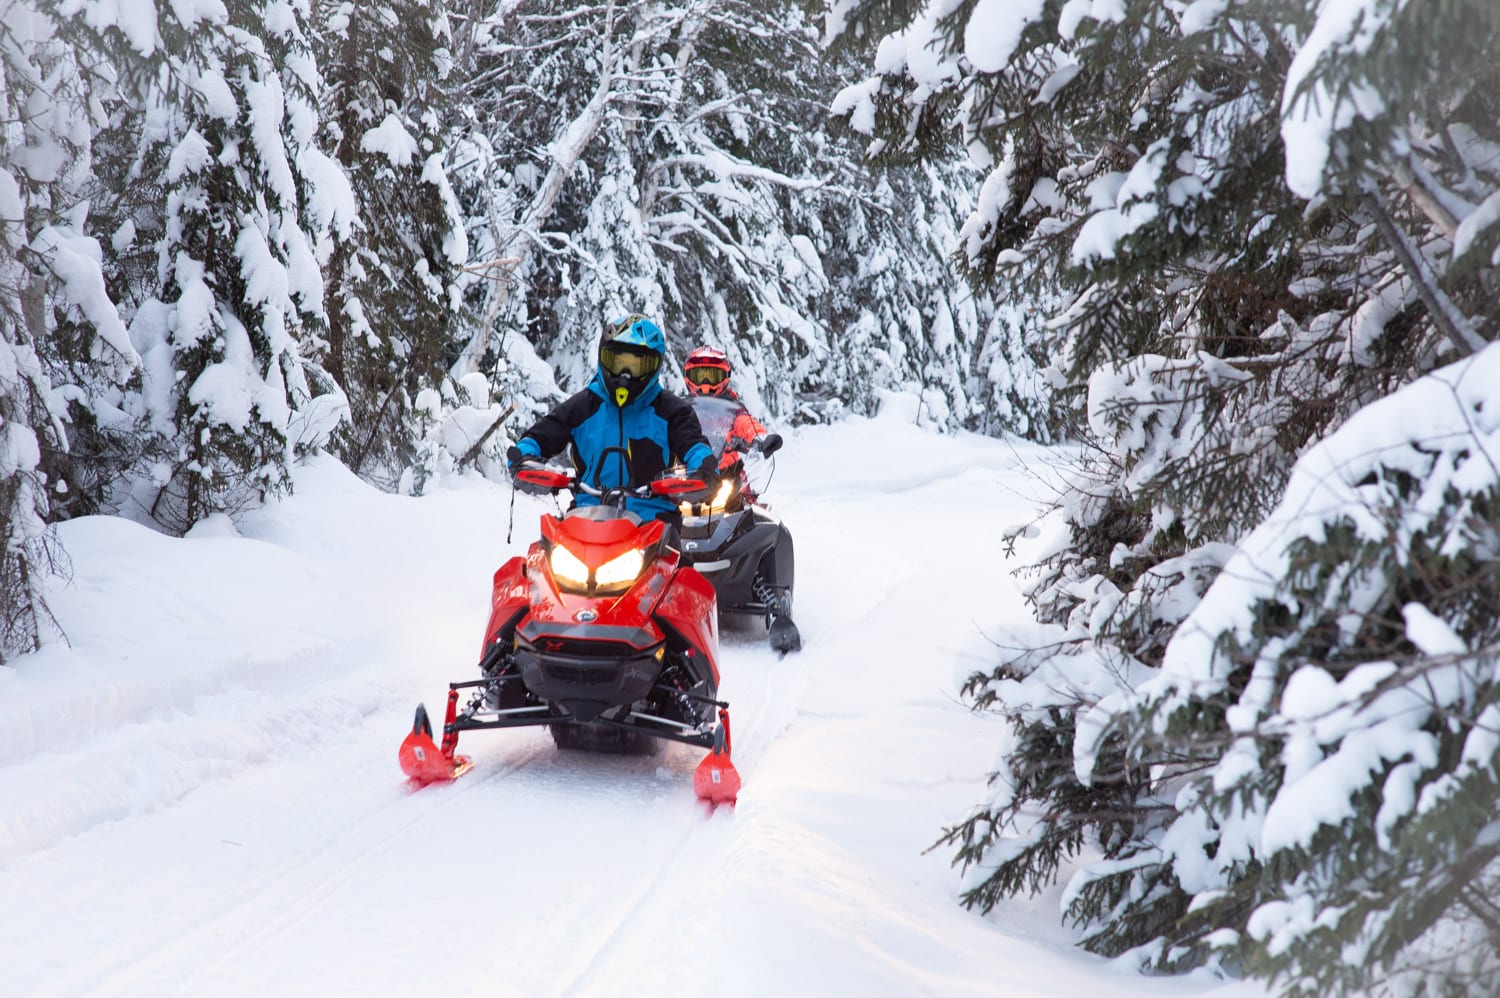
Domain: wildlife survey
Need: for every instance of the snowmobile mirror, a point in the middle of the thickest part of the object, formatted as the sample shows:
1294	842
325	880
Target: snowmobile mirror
770	444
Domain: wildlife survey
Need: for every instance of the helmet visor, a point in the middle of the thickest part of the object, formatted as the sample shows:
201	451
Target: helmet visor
618	359
706	375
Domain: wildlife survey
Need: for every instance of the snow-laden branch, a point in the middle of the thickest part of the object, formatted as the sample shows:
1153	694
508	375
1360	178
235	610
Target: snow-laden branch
725	166
566	150
1445	315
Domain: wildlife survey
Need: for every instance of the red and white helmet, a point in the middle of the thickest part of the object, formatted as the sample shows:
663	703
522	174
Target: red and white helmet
706	372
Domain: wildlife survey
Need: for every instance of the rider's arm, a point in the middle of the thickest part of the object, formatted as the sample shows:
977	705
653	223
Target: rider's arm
684	433
554	431
747	428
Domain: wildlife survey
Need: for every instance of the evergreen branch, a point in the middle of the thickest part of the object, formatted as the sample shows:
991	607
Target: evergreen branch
1445	315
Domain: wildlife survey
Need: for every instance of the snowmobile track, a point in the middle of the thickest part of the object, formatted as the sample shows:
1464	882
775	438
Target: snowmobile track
299	887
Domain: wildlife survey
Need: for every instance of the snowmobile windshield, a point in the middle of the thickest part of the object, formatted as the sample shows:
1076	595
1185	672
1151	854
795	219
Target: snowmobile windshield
601	513
717	416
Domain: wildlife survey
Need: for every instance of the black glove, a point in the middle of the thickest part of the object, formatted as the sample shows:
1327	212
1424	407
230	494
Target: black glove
769	444
515	460
708	471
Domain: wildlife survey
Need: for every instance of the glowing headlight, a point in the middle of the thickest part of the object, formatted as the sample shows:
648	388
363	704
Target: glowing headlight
714	507
566	567
619	571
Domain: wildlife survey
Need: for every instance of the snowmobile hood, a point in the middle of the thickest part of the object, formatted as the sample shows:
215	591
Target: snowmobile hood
595	542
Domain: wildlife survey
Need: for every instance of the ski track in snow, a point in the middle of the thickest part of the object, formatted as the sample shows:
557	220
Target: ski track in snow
202	795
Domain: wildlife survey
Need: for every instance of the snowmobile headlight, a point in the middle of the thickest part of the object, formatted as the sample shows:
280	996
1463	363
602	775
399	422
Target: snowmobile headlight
715	507
568	568
619	571
722	497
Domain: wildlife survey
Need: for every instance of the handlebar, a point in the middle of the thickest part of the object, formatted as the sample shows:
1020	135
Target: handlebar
765	445
541	478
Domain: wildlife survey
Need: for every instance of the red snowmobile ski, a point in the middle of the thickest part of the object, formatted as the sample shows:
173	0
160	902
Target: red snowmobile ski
602	634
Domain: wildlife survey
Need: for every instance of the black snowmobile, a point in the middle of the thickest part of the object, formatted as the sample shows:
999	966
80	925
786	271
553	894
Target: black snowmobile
736	542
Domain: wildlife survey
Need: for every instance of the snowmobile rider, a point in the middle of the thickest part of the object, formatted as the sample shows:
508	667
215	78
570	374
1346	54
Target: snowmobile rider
623	428
707	372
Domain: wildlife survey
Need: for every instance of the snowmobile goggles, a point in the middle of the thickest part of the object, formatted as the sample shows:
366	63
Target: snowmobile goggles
619	359
706	375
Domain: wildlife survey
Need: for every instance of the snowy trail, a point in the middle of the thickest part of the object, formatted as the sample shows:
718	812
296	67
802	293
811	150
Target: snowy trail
202	796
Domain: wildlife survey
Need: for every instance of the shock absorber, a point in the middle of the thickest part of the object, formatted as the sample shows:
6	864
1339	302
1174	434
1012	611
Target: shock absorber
767	594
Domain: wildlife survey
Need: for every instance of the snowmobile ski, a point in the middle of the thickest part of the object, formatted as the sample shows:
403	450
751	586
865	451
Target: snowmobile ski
716	781
422	760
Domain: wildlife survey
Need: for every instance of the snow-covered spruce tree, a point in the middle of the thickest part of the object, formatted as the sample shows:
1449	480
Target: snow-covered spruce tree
959	346
27	550
665	169
653	194
24	391
226	99
1219	322
60	79
26	408
1338	684
1349	646
56	316
393	299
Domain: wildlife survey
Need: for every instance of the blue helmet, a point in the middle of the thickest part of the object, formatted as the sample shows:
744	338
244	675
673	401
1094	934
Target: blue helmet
630	356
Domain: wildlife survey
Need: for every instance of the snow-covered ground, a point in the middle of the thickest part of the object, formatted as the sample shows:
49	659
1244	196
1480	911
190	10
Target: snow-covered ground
200	792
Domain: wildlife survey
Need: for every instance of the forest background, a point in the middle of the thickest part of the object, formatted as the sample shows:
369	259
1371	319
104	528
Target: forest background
1242	252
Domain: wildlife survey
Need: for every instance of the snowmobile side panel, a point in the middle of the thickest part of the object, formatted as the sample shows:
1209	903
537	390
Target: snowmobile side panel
508	577
690	608
509	598
701	536
734	583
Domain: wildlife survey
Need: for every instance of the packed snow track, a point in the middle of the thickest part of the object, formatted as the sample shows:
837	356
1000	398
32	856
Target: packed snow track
202	797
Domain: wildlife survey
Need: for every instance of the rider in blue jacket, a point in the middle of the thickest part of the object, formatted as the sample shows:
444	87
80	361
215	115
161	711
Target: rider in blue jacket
623	428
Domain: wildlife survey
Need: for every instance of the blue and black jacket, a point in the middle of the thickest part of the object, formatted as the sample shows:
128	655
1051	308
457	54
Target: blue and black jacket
654	428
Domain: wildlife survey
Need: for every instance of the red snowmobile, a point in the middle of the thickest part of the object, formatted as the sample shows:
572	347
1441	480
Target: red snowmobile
602	634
